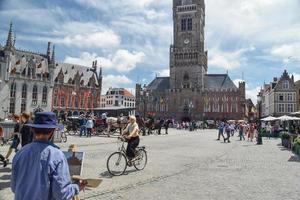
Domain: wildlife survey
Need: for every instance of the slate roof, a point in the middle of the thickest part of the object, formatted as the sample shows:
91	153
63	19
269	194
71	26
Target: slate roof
70	70
159	84
218	81
211	81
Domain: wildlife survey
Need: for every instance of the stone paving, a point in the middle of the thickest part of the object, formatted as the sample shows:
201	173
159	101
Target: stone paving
189	165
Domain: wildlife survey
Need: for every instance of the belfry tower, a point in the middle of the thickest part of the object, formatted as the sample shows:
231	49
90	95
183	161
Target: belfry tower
188	60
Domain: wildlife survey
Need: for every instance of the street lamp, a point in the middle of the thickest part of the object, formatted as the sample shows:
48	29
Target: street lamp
144	94
191	106
259	136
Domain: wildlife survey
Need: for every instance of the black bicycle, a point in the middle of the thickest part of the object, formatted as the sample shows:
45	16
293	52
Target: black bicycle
118	162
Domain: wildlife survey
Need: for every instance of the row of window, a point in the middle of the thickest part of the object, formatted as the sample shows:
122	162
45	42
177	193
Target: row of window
286	108
74	102
116	103
13	89
186	56
286	97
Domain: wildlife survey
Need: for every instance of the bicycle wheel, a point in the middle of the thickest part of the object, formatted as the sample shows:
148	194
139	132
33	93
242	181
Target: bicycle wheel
64	137
141	160
116	164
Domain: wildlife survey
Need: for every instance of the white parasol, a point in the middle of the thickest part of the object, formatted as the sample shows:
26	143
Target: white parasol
286	118
270	118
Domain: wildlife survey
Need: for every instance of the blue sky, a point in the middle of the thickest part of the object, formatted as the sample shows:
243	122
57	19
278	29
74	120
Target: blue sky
131	38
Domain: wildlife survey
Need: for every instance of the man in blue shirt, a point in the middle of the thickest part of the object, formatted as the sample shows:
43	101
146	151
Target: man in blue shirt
221	130
40	170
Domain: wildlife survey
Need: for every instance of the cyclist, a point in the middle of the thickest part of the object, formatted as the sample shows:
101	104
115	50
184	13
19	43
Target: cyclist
131	133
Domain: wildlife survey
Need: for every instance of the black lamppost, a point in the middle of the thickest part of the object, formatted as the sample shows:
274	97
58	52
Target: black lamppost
144	94
259	136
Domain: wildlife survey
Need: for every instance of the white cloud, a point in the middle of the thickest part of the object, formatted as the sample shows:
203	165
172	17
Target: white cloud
296	77
227	60
237	81
121	61
163	73
115	81
252	94
287	52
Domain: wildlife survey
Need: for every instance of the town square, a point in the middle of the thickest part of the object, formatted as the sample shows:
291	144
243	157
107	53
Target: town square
173	99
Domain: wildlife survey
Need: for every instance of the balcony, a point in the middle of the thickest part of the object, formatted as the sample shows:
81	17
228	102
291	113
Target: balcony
187	8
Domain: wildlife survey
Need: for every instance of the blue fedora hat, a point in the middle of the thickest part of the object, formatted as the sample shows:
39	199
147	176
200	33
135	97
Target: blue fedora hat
45	120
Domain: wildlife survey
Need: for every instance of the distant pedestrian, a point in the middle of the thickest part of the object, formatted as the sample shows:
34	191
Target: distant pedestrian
26	133
241	132
251	132
82	124
221	130
228	132
89	126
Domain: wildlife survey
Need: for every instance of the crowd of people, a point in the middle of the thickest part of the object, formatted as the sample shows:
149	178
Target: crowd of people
244	129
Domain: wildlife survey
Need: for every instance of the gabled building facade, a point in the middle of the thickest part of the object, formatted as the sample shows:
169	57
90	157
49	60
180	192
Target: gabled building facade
279	97
77	89
26	78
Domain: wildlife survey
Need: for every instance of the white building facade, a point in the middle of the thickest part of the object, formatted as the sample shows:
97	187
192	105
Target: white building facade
279	97
26	79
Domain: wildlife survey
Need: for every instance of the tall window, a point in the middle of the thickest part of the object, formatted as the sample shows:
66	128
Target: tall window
189	24
183	24
62	101
281	98
290	97
23	98
34	95
281	108
45	95
286	84
290	108
82	101
12	103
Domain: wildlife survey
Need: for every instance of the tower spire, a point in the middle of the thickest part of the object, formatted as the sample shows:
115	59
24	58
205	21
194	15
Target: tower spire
9	41
53	55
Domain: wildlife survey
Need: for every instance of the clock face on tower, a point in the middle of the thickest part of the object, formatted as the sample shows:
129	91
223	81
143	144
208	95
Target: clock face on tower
186	41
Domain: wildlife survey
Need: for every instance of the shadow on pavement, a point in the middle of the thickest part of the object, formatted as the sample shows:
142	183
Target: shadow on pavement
4	185
294	159
108	175
5	170
5	177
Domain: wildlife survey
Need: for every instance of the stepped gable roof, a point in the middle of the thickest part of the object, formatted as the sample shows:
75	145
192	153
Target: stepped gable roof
71	70
218	81
159	84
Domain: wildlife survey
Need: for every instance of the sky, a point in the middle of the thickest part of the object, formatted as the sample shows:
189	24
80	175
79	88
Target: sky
251	40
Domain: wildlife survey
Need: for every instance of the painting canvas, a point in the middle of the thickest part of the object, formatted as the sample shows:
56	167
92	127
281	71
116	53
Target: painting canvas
75	161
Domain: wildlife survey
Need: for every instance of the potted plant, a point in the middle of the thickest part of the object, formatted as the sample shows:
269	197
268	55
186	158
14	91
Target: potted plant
297	146
285	140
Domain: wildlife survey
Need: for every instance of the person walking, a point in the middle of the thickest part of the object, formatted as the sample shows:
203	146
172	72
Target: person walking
221	130
26	133
89	126
16	139
251	132
241	131
228	132
82	123
40	170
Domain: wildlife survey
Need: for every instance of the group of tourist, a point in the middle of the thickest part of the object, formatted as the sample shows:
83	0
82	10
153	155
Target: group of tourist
21	134
244	129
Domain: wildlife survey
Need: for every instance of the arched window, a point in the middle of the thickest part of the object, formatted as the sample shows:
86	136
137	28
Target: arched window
12	103
34	95
45	95
23	98
24	91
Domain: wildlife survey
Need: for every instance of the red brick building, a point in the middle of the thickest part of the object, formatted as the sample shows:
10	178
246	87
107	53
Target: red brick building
77	89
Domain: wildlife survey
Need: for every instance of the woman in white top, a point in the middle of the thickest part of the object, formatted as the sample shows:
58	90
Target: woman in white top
131	133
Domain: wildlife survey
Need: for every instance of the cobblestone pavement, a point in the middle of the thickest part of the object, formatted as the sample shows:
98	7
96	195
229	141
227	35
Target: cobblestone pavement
189	165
